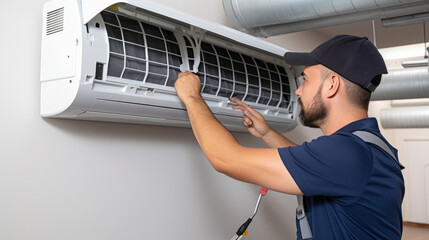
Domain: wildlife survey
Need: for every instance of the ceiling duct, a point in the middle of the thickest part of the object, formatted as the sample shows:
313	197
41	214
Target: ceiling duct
403	84
405	117
416	63
410	102
405	20
408	84
267	18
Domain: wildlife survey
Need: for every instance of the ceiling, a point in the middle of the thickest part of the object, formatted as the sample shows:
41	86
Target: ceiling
385	37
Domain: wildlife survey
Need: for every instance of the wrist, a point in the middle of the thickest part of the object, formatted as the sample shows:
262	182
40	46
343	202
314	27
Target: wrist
268	135
193	100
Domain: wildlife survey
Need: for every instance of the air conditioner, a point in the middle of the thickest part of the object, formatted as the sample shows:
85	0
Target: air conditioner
108	61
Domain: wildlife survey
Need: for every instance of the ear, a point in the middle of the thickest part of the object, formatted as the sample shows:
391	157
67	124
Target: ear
332	85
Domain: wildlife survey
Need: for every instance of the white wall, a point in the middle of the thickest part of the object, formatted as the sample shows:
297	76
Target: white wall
399	139
65	179
418	179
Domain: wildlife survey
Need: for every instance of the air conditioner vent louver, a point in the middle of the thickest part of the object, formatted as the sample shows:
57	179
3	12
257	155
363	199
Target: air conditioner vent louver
149	54
54	21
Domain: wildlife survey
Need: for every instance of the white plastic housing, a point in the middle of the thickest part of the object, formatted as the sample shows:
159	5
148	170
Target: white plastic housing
119	64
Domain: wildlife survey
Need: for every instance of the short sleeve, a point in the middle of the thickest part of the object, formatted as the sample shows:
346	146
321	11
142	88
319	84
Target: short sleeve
336	165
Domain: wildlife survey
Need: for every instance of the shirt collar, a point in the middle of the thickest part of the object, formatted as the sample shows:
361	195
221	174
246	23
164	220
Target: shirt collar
367	124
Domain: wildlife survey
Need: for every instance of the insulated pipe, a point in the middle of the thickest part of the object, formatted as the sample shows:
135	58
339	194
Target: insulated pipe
403	84
405	117
273	17
273	30
257	13
405	20
410	102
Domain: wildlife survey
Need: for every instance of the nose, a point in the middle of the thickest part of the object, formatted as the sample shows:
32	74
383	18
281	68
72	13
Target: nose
299	91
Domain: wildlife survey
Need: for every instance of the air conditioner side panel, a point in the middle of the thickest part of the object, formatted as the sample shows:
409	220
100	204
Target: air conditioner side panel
60	56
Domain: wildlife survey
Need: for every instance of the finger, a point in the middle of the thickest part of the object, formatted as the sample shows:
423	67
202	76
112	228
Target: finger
243	105
238	102
247	121
255	114
238	107
249	112
233	99
182	74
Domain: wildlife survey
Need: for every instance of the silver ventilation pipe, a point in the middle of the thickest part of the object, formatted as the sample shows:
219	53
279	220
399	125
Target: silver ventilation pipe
416	63
410	102
403	84
405	117
409	84
274	17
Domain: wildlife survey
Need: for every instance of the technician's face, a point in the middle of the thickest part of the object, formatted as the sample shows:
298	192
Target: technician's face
312	108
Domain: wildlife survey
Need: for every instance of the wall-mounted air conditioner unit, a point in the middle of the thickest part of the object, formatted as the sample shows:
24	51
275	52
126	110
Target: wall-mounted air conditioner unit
108	61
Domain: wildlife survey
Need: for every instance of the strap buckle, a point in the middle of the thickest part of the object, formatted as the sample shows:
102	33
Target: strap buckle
300	213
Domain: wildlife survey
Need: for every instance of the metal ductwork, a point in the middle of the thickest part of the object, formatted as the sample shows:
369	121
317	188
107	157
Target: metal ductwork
410	84
410	102
405	117
266	18
409	113
403	84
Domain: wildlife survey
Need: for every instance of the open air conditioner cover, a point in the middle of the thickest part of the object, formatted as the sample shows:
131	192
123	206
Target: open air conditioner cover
109	61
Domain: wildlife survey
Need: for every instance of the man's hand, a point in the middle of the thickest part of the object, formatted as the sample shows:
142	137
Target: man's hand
188	86
253	120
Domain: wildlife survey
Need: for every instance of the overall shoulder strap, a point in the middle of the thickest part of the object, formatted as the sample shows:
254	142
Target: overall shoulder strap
302	219
371	138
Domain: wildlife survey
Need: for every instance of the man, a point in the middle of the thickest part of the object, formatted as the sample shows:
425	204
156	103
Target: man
352	190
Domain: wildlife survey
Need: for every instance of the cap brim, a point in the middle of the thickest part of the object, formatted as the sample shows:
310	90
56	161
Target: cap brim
300	59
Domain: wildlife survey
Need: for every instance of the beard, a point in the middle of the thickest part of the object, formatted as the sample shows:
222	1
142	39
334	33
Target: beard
315	114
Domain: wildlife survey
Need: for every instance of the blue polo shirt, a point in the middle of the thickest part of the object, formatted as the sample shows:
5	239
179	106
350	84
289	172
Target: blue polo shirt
352	190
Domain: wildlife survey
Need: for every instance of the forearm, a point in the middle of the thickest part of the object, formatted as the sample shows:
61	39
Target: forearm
261	166
275	140
215	141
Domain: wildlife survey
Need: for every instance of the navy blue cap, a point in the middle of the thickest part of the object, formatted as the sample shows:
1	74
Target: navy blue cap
354	58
